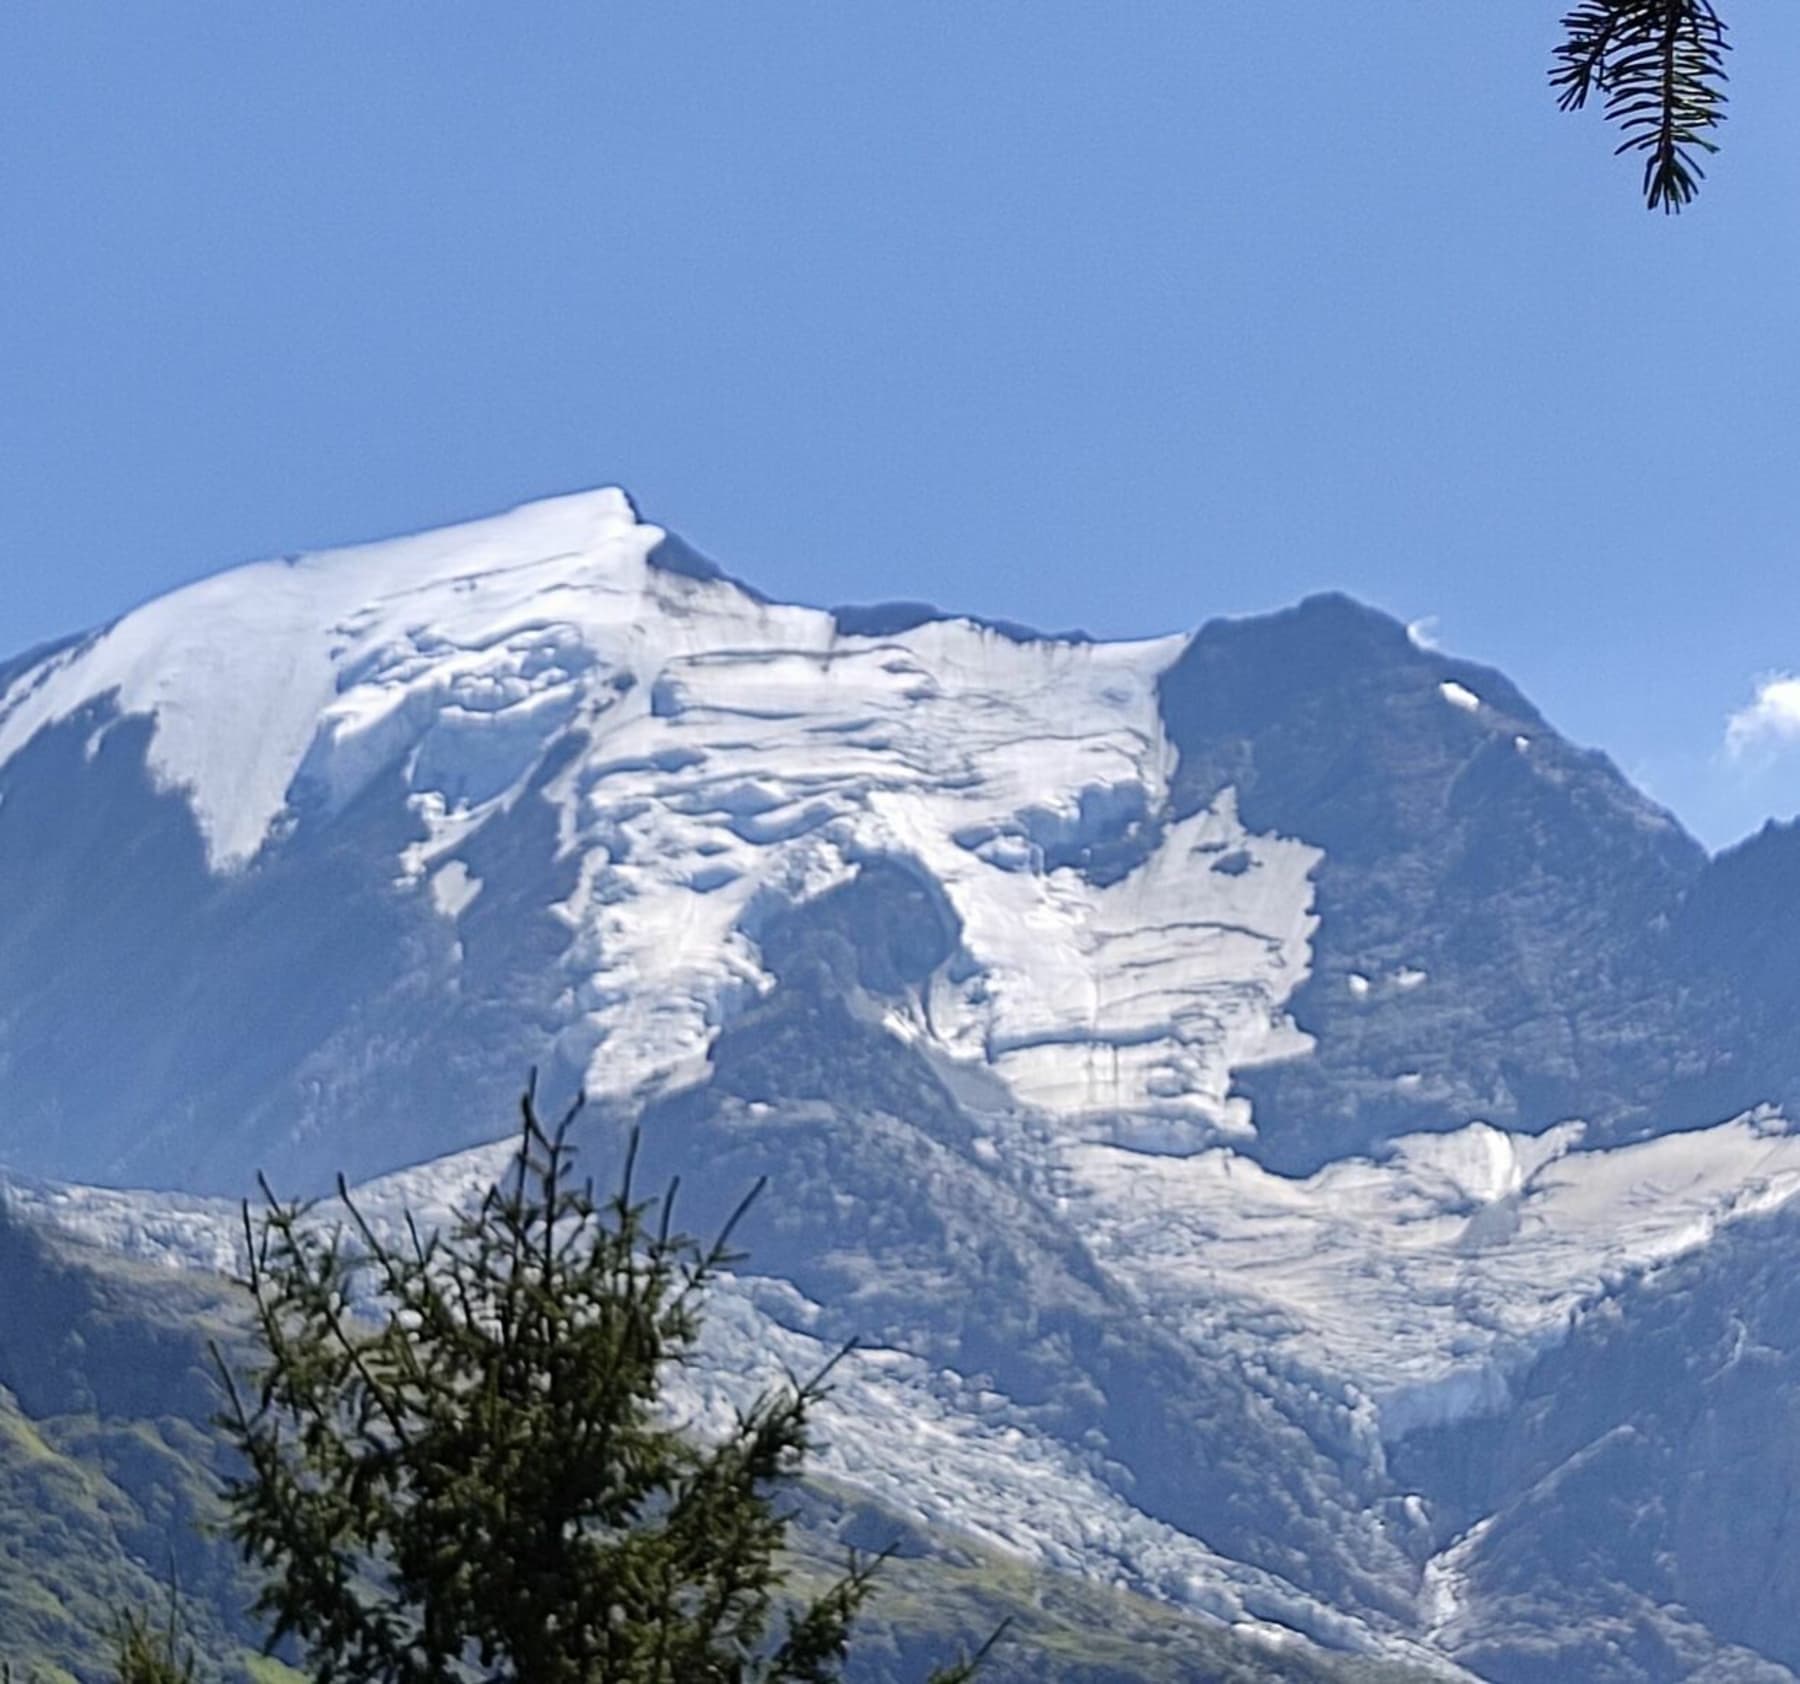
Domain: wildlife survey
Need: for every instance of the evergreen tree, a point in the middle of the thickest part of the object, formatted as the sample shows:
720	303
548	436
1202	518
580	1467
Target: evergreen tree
476	1481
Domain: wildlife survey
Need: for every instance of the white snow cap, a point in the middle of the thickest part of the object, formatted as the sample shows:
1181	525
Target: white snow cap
238	670
736	754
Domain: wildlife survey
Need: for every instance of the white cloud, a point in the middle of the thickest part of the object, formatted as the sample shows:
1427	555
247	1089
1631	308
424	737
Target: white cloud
1772	720
1424	632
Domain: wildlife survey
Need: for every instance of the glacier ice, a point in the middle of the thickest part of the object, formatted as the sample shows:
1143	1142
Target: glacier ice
736	755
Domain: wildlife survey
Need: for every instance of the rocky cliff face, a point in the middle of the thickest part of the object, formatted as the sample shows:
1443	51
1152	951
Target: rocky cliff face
1494	904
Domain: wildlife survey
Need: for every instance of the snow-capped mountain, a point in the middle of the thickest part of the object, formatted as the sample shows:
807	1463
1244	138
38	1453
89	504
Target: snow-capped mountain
1222	1076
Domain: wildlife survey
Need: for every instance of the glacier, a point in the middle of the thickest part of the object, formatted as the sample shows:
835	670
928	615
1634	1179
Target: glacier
736	754
1283	1011
1392	1283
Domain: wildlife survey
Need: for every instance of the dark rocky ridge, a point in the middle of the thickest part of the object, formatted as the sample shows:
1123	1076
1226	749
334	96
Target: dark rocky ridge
1532	885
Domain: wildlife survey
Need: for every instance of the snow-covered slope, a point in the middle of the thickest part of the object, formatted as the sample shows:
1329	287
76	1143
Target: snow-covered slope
1204	1068
733	754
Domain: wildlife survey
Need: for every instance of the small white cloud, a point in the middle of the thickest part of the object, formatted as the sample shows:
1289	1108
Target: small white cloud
1424	631
1772	720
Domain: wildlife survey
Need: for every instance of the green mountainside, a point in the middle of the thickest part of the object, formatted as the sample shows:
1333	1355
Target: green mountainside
107	1460
108	1467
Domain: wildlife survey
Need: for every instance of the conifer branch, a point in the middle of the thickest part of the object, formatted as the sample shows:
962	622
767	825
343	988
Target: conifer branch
1659	68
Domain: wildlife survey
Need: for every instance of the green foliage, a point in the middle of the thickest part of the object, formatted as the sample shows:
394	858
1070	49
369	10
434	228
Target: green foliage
107	1467
145	1652
1659	66
479	1474
153	1653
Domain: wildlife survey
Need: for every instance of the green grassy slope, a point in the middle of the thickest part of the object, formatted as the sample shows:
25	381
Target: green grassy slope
107	1465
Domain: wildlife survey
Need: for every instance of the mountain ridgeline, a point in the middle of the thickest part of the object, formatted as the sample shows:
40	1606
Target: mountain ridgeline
1248	1090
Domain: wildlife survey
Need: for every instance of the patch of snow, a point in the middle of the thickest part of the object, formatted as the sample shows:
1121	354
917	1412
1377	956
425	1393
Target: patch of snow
1444	1589
453	888
1408	978
1133	1002
1358	984
1460	696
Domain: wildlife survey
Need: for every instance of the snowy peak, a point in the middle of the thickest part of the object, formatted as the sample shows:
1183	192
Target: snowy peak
710	756
239	673
1171	864
259	680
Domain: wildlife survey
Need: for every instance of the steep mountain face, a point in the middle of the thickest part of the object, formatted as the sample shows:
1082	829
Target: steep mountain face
107	1468
1734	938
1636	1506
1213	1073
1492	902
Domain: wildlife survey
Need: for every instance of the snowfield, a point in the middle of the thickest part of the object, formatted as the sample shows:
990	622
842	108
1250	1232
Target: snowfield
1427	1276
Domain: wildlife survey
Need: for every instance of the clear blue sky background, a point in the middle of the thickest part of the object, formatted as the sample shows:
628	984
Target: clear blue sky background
1099	314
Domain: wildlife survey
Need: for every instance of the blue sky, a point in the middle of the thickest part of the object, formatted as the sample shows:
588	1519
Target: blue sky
1087	314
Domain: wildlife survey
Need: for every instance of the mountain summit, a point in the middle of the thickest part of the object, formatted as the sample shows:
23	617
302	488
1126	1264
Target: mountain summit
1216	1070
541	781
